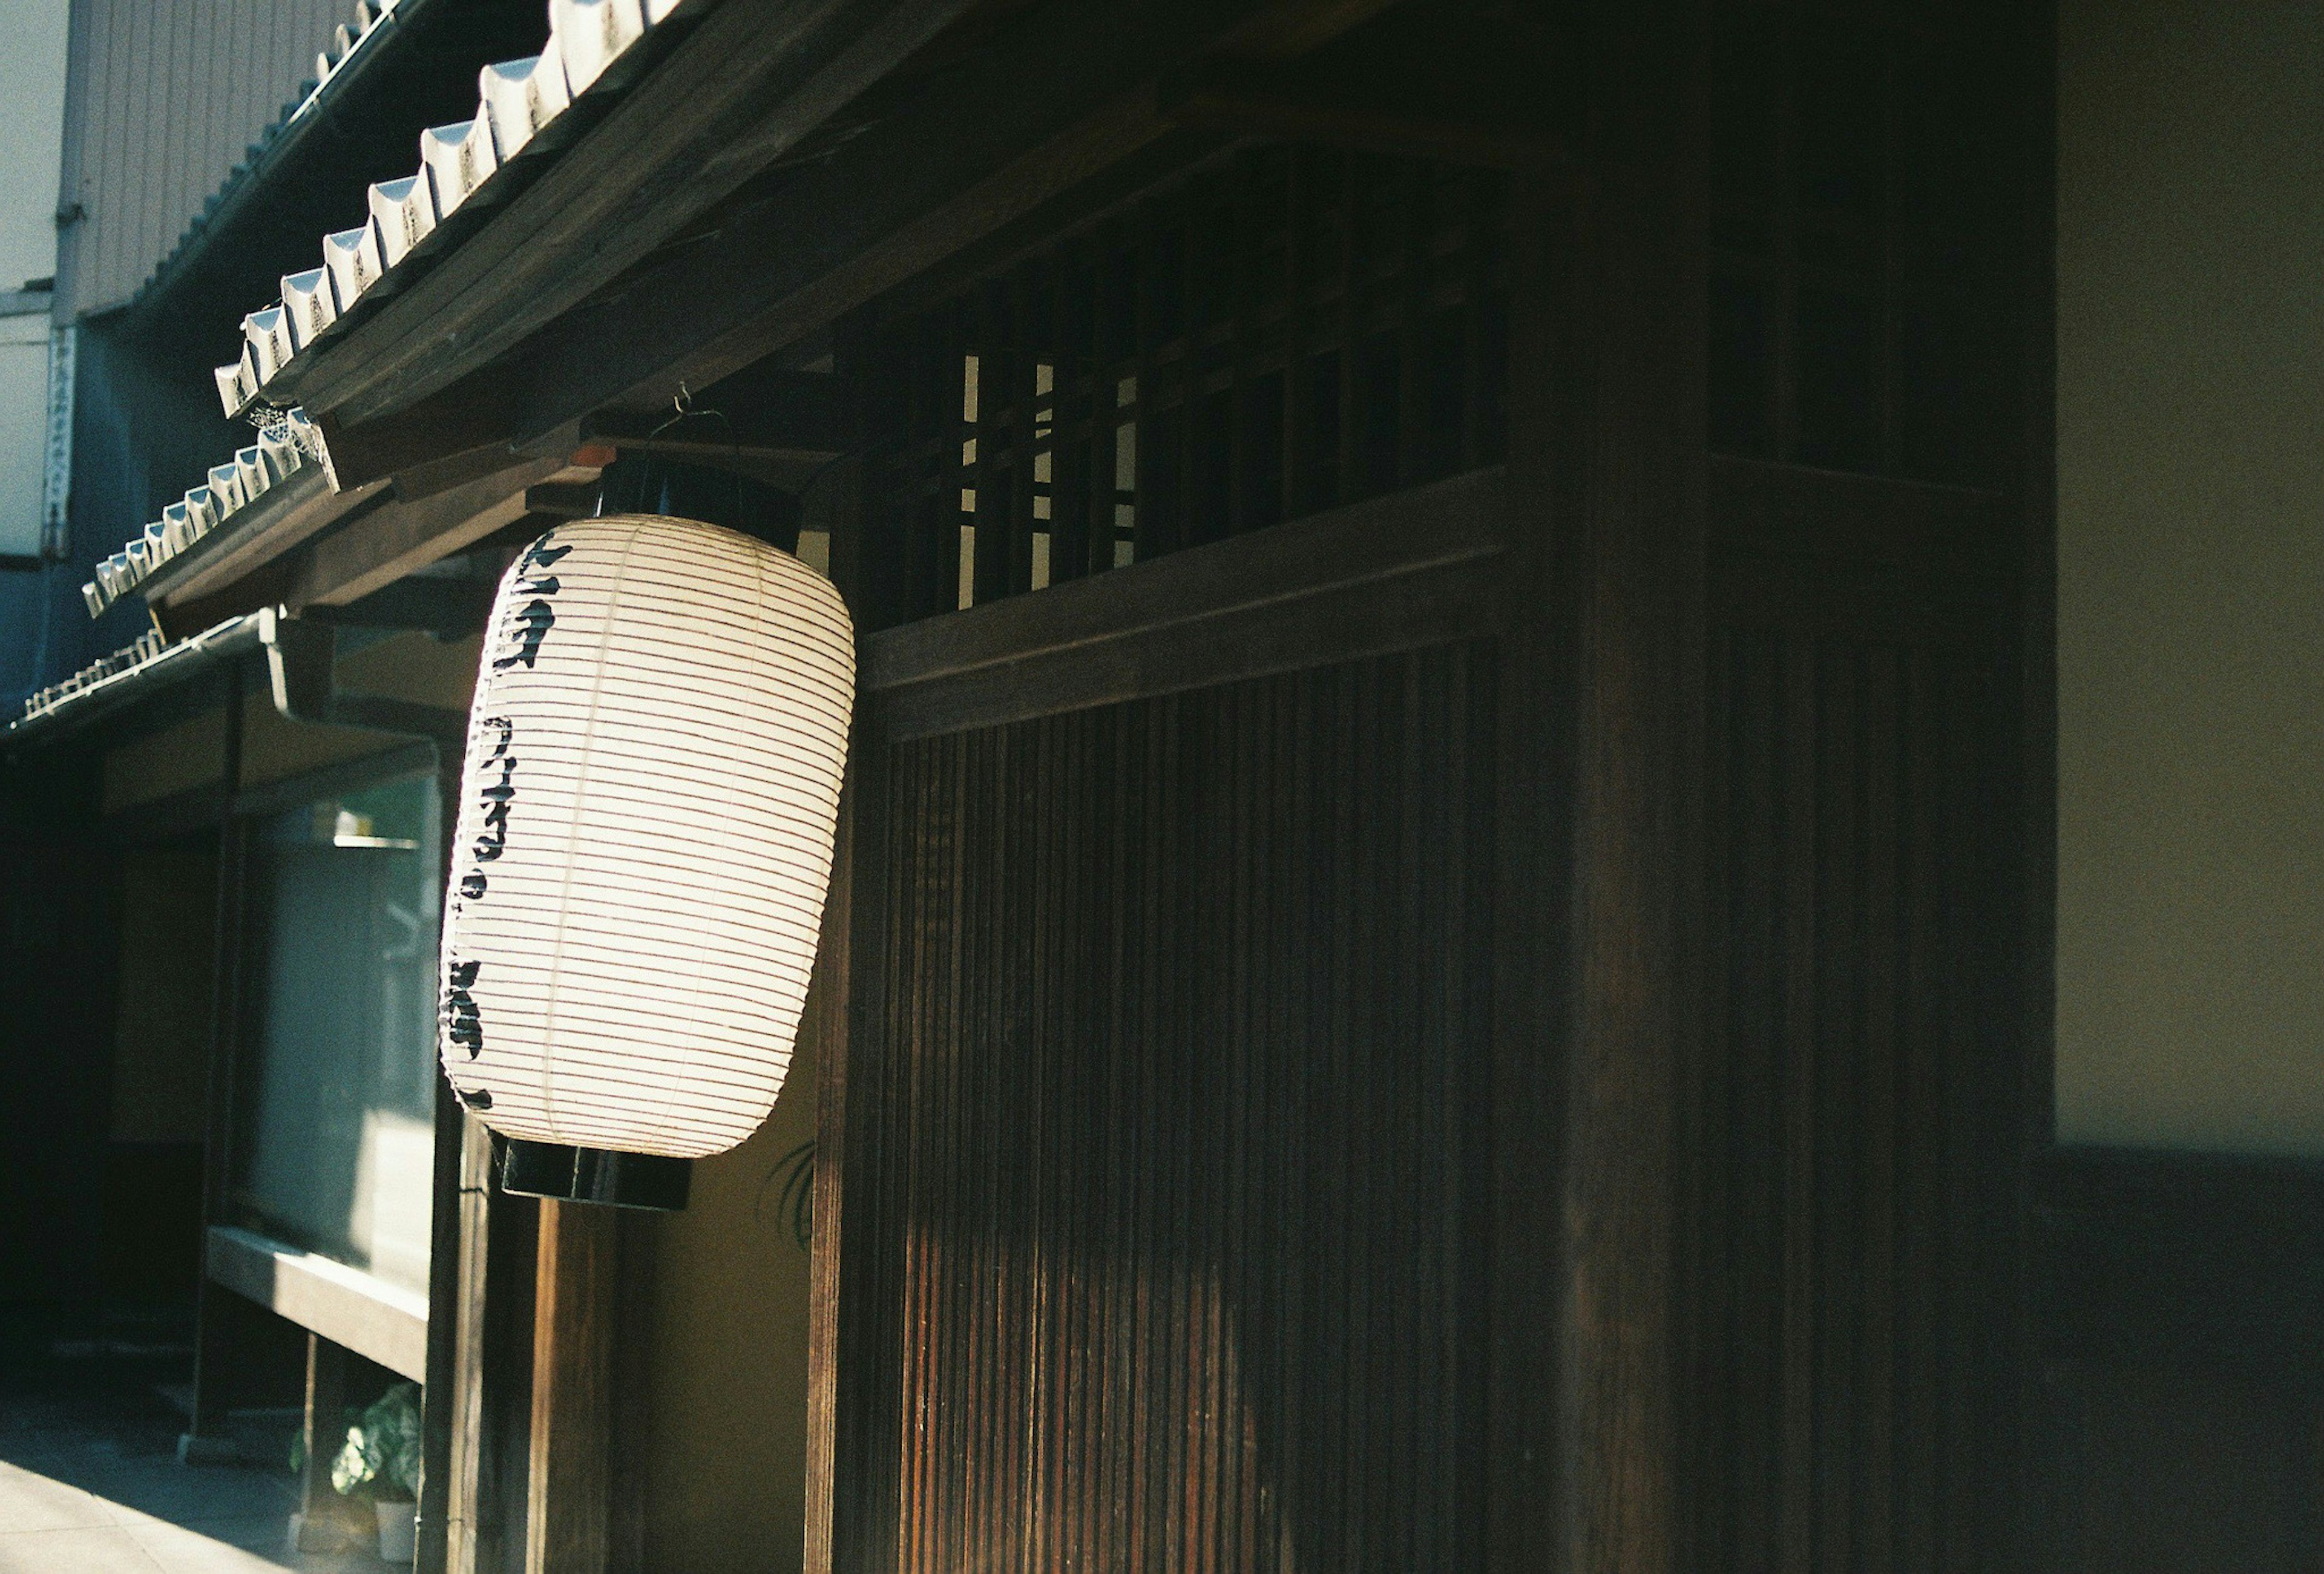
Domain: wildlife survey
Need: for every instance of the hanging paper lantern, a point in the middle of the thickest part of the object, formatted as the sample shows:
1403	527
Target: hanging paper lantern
644	841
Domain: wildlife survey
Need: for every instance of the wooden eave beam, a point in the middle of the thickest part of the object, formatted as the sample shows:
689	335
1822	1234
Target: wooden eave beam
1291	28
391	538
754	79
969	152
835	241
295	511
973	153
1296	106
350	564
765	415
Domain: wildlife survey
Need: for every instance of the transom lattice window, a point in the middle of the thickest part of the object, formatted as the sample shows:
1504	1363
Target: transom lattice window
1277	332
1858	223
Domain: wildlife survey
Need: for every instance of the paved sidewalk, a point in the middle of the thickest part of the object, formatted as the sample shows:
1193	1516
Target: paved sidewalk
90	1482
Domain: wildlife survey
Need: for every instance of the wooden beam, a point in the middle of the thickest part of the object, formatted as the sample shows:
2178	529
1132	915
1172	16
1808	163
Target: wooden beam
567	499
754	79
398	539
975	155
262	587
967	158
452	1394
765	414
826	1016
1290	28
960	157
576	1296
1409	569
378	1321
467	356
1300	106
452	470
470	416
300	509
462	1401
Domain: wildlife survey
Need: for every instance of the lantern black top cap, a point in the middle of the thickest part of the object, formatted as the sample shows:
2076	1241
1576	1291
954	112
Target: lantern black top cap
595	1174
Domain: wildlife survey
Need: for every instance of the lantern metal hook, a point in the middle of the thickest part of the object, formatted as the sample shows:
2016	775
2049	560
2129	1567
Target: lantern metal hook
681	406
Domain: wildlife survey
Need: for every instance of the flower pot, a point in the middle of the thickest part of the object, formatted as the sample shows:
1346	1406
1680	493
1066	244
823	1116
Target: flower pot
399	1527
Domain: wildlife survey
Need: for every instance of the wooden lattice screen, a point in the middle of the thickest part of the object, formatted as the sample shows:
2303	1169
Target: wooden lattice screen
1277	332
1857	232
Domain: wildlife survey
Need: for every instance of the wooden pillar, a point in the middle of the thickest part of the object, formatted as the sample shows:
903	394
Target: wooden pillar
569	1507
1633	971
1602	870
215	1317
456	1398
452	1395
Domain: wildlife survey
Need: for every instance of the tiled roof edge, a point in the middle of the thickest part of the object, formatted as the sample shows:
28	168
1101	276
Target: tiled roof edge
354	51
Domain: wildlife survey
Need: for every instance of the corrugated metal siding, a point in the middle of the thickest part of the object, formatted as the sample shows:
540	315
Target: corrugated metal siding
165	97
1174	1257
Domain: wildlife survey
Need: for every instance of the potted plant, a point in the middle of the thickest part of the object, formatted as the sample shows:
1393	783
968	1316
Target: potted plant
381	1461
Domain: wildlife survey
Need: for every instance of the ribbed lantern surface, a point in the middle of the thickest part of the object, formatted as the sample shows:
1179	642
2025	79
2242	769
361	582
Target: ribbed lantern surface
644	838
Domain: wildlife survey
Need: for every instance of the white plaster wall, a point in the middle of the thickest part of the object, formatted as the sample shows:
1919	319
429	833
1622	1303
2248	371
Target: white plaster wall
2190	600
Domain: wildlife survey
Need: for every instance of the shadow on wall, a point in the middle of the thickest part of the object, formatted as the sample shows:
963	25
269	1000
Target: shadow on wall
726	1467
59	930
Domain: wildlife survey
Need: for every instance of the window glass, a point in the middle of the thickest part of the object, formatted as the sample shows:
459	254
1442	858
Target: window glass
335	1118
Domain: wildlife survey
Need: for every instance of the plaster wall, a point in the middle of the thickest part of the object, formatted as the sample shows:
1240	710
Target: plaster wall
2190	575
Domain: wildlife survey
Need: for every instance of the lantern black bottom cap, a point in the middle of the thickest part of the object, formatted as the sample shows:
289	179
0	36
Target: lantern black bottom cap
595	1174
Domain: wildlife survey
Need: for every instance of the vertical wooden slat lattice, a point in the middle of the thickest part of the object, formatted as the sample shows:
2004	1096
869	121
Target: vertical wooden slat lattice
1859	1135
1178	1110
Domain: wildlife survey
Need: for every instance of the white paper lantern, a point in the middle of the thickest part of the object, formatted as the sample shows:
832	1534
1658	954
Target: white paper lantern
644	837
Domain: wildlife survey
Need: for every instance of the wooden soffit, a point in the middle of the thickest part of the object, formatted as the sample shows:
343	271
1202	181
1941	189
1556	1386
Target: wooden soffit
782	164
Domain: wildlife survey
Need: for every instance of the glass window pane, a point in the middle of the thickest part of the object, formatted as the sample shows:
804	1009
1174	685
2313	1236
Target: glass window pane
334	1140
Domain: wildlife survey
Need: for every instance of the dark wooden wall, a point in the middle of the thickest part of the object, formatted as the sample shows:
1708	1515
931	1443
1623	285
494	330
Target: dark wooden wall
1753	1100
1861	1120
1152	1209
59	929
1187	1030
2178	1389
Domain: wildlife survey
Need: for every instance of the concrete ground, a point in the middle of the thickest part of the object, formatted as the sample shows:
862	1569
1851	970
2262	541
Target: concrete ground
89	1478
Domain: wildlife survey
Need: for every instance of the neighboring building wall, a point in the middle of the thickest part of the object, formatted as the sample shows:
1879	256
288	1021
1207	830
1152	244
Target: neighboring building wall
24	429
167	95
2178	1296
2190	597
158	102
32	133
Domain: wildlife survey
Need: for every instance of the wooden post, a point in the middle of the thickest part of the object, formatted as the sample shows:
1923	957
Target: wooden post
1602	799
205	1440
451	1397
324	1522
461	1401
568	1517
